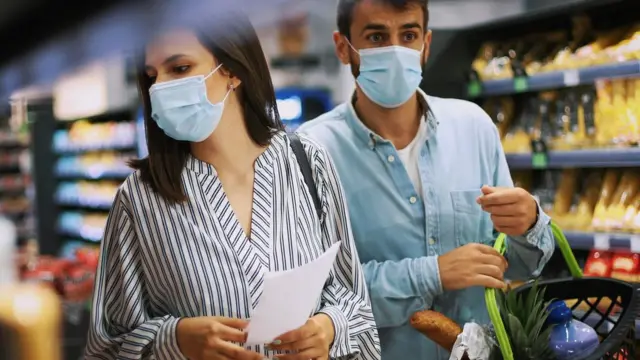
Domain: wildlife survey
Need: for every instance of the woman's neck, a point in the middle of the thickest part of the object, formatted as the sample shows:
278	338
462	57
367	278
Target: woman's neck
229	149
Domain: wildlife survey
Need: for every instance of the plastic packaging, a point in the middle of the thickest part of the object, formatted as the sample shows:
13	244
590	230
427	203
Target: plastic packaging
473	342
8	264
570	339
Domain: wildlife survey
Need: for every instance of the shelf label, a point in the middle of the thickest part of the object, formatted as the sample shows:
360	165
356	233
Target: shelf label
539	161
634	244
474	89
521	84
601	242
539	156
571	78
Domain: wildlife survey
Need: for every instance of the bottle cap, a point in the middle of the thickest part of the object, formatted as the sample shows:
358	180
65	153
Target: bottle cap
559	312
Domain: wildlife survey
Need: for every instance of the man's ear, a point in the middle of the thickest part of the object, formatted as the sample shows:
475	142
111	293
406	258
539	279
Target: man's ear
427	46
342	47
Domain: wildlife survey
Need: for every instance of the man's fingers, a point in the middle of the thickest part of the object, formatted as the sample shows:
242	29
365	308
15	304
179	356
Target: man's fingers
488	282
511	210
498	198
494	271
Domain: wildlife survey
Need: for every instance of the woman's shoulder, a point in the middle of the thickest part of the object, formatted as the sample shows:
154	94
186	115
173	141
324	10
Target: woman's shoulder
315	152
133	187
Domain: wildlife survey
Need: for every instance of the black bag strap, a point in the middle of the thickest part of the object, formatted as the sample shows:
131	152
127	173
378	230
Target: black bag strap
305	167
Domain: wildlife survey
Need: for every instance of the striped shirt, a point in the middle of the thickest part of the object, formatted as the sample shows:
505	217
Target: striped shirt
160	262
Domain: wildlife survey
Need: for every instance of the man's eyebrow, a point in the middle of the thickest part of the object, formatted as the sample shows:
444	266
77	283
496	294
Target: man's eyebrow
413	25
374	27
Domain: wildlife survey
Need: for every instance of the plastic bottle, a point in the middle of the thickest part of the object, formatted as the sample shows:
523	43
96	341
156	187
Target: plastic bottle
570	339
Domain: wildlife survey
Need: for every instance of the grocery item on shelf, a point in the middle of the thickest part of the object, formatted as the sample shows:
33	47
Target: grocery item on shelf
599	264
9	159
85	136
12	182
625	266
14	205
95	165
559	50
98	194
86	226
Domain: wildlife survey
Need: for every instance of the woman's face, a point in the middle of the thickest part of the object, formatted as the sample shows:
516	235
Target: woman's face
177	54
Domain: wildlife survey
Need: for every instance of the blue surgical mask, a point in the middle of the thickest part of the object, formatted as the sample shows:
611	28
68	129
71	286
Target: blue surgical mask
183	111
389	75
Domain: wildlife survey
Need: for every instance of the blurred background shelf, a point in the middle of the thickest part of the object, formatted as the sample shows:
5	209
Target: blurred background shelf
603	241
592	158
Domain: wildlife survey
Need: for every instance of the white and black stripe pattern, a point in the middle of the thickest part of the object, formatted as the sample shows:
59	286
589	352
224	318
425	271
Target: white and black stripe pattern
161	262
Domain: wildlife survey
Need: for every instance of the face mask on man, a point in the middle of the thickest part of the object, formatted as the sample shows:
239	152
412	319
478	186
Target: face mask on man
389	75
182	109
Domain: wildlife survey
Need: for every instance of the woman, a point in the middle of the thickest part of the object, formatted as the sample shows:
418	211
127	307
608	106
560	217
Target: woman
219	201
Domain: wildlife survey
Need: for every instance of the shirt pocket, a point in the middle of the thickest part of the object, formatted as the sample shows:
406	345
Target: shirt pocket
467	217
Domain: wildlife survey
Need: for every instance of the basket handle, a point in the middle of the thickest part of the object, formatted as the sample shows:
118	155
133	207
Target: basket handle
490	294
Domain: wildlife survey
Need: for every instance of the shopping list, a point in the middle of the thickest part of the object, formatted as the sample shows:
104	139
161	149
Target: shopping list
288	298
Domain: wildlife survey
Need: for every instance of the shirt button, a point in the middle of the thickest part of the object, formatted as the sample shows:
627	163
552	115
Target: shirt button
413	199
432	241
391	158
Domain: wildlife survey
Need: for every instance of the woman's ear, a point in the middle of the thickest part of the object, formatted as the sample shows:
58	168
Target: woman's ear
234	82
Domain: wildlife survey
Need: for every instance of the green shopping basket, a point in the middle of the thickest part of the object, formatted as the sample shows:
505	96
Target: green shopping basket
616	326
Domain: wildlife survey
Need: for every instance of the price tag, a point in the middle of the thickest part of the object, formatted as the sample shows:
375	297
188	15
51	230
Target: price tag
601	242
634	244
571	78
520	84
474	89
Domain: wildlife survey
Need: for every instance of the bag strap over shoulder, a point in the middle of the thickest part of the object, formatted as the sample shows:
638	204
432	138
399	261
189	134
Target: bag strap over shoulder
305	167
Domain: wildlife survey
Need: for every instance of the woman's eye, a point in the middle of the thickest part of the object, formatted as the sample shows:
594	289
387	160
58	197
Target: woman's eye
181	69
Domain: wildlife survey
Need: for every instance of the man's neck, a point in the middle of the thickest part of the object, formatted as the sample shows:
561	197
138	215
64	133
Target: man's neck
398	125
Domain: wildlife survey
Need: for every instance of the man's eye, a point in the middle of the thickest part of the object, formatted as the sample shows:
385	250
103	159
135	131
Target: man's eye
376	37
410	36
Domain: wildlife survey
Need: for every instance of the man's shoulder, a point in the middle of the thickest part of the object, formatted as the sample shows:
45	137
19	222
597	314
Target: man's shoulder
328	127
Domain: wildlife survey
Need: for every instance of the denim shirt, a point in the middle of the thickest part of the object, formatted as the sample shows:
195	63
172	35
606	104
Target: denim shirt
400	234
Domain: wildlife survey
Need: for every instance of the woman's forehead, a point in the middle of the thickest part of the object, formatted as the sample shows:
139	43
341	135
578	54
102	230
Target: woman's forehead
170	43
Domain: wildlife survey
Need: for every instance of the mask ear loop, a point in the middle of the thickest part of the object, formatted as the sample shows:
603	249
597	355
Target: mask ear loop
213	72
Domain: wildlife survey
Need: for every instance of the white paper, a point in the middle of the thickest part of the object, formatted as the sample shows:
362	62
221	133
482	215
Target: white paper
288	298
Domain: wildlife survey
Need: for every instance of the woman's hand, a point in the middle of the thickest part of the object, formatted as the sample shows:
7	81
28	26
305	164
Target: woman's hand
311	341
211	338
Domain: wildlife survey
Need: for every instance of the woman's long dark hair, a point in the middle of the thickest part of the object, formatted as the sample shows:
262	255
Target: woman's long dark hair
236	45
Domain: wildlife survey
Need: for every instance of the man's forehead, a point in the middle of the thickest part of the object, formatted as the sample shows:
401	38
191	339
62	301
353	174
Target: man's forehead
383	13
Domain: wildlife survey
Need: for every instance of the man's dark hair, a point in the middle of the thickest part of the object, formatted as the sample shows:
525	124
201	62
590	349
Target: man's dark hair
236	46
345	12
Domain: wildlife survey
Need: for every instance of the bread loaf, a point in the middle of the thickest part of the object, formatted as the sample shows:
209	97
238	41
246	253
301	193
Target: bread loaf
437	327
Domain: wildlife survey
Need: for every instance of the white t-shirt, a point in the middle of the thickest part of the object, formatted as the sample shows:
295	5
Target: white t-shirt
410	156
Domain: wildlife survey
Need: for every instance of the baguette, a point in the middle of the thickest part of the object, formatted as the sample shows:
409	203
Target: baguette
437	327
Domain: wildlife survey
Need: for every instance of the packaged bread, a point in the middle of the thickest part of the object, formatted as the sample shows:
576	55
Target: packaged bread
624	195
564	192
630	213
437	327
609	186
586	205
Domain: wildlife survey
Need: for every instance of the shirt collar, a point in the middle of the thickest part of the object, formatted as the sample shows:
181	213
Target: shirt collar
370	138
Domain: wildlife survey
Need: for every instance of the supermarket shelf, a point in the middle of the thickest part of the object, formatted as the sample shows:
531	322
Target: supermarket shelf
94	147
555	79
623	157
603	241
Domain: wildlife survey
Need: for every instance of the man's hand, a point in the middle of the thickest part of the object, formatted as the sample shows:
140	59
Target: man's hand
311	341
513	210
472	265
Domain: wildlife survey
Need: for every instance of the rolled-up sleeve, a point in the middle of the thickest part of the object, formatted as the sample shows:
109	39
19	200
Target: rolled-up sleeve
345	299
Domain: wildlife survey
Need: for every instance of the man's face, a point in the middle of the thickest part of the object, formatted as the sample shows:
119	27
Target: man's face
375	24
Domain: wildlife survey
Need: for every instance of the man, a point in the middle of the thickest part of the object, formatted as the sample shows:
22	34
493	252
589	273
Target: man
426	182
